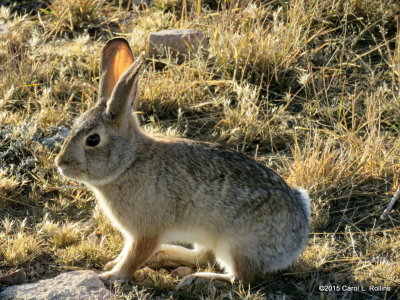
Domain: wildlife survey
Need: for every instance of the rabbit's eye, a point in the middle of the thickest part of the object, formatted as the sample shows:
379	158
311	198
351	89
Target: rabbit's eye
93	140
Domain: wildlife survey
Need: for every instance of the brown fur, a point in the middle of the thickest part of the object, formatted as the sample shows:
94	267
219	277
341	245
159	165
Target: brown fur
244	267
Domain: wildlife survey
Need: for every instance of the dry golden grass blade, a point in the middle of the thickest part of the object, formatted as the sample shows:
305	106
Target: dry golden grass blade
391	203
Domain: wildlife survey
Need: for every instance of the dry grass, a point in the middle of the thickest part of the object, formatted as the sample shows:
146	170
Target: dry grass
311	88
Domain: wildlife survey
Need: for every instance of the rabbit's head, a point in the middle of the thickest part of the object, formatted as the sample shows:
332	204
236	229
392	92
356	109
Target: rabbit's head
103	141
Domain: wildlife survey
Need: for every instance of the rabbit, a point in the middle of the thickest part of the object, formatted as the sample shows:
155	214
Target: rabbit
158	191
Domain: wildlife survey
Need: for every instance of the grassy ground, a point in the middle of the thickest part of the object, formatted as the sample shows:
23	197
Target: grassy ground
311	88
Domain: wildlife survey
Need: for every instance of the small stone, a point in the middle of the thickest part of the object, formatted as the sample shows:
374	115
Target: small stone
49	143
179	42
16	277
181	272
83	284
63	132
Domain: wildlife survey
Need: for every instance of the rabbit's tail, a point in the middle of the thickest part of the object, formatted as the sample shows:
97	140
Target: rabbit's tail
302	196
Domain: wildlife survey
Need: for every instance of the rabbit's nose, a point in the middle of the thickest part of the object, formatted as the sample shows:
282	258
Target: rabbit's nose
62	164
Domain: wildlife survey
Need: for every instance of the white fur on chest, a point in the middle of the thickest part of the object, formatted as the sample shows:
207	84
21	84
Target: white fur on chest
109	212
189	235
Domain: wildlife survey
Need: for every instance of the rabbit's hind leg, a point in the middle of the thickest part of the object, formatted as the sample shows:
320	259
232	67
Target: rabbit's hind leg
238	264
245	268
174	256
203	278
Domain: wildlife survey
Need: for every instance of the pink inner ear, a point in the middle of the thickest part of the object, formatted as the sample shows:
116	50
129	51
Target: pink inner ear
120	60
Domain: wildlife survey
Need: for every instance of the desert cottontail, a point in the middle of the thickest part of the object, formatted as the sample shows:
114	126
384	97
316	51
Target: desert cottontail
162	190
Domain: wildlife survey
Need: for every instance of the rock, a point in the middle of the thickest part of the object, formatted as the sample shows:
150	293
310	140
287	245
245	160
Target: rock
181	272
17	277
72	285
63	132
179	42
49	142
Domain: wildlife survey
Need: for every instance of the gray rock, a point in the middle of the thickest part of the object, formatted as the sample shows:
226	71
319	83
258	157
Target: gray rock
179	42
63	132
72	285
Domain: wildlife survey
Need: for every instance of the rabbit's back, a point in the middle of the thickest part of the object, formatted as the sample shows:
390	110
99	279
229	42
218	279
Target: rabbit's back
212	180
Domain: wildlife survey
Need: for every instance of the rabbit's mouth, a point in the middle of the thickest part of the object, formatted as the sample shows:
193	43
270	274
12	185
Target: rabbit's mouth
71	173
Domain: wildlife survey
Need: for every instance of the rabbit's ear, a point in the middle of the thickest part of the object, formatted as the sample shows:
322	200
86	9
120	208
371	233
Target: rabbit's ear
116	58
125	91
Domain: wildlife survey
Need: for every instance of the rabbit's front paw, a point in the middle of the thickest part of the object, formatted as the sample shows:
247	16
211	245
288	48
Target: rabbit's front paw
114	276
110	264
